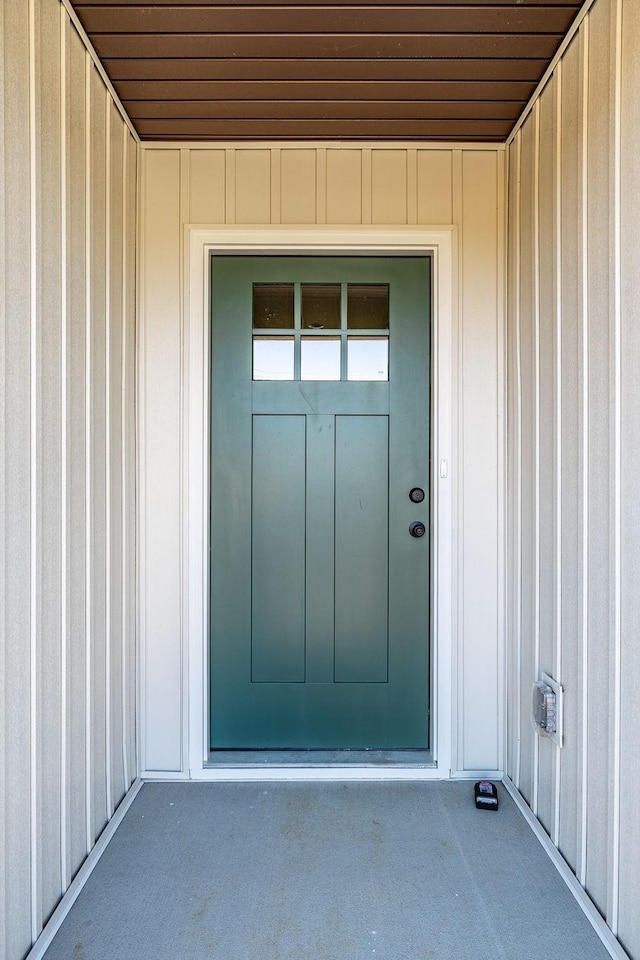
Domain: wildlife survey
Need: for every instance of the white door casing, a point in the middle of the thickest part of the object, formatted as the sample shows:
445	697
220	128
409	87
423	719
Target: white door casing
199	243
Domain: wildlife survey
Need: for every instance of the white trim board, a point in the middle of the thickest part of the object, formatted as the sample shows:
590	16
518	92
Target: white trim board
499	146
328	774
560	52
97	62
45	939
58	916
610	942
199	243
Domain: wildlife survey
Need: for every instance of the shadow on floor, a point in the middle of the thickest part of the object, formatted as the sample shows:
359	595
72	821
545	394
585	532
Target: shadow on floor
323	871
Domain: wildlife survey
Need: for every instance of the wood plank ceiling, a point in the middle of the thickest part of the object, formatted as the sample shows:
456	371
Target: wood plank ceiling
456	70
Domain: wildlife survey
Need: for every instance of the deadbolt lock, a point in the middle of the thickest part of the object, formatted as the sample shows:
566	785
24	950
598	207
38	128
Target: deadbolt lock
416	495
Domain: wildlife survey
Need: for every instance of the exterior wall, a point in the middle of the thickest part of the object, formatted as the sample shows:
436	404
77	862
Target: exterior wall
67	673
574	437
344	185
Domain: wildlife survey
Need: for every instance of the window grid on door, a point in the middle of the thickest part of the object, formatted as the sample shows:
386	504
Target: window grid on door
320	331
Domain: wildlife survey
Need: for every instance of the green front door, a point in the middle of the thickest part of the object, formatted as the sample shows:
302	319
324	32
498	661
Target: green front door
320	432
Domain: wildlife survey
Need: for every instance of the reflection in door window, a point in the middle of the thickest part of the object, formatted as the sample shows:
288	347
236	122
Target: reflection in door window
273	358
273	306
320	358
321	306
368	306
368	358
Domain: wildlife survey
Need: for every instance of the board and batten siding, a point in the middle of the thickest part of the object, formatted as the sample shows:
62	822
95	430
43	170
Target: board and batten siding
574	442
335	185
67	505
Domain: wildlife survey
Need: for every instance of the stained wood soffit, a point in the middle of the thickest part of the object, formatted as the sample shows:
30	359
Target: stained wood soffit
459	70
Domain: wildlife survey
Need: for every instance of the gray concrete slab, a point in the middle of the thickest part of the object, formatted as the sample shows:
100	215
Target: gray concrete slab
323	871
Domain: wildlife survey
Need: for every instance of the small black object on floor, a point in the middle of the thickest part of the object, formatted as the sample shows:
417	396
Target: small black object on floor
486	795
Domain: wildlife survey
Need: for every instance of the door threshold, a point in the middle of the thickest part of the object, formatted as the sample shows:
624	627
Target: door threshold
244	759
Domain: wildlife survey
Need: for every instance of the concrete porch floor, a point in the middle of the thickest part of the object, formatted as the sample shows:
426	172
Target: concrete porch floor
323	871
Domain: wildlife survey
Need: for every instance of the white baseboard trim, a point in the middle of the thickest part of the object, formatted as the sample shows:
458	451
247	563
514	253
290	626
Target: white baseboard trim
293	774
596	920
610	942
484	774
54	923
164	776
318	774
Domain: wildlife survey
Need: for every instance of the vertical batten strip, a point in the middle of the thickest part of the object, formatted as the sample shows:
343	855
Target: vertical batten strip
584	808
558	400
64	866
518	460
88	725
124	586
536	320
107	408
33	479
613	918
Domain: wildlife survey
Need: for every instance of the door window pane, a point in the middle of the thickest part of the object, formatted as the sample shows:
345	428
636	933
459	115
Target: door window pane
321	306
368	358
320	358
273	358
273	306
368	306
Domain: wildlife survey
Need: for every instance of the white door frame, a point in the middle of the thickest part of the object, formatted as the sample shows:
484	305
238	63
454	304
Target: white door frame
200	243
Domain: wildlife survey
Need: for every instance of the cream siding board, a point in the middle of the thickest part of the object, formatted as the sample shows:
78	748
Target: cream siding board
16	679
3	346
480	351
131	679
389	186
547	432
527	444
160	401
571	426
342	185
434	186
97	447
527	440
206	179
76	396
513	465
253	186
49	454
582	262
629	924
115	491
53	153
298	186
600	448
